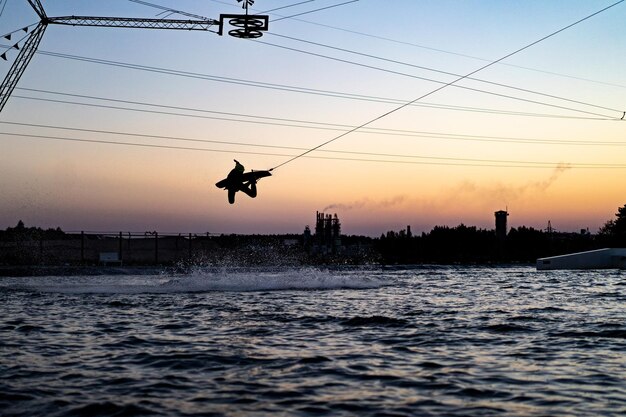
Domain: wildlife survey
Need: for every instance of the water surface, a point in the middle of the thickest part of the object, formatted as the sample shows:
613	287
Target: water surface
306	342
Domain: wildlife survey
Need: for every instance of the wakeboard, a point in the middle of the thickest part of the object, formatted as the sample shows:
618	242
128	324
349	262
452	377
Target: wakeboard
245	177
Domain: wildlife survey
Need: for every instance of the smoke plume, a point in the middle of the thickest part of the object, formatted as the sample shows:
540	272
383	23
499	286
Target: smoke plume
366	202
468	191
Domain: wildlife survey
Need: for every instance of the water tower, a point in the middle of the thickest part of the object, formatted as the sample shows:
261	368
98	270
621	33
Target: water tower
501	216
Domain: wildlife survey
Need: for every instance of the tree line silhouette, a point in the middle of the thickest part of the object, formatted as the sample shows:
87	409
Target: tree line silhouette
467	244
442	245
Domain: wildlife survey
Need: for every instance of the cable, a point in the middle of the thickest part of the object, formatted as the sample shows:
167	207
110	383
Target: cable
108	132
438	49
307	123
443	51
289	122
25	28
167	9
277	119
19	30
169	113
3	6
434	81
307	90
444	86
492	164
202	76
445	72
395	72
316	10
286	7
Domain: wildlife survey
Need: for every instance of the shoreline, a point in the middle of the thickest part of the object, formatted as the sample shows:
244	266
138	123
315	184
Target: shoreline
72	270
17	271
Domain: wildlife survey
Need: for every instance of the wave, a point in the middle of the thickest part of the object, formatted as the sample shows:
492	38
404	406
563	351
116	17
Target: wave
506	328
375	321
609	334
201	280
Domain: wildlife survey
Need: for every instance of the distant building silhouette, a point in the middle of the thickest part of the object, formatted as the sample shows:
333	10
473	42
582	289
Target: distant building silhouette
327	233
307	237
501	229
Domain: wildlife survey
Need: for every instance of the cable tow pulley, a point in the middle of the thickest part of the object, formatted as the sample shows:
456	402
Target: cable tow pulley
249	26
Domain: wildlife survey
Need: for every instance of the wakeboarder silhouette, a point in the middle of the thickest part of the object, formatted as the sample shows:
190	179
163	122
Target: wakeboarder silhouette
238	180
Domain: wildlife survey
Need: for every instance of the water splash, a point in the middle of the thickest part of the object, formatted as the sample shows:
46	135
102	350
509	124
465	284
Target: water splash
202	279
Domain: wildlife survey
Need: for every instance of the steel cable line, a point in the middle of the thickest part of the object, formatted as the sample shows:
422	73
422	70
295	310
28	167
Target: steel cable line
286	7
369	35
19	30
299	89
451	161
443	83
203	76
446	72
222	113
316	10
438	49
382	69
21	40
174	138
315	91
168	9
300	123
177	114
446	85
4	4
291	5
305	123
538	163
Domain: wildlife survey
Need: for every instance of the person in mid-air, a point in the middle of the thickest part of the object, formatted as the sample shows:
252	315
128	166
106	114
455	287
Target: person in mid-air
235	181
238	180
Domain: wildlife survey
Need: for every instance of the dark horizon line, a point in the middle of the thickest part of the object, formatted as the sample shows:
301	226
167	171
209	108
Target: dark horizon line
151	233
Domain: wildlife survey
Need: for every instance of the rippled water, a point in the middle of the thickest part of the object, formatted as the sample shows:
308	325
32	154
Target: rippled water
367	342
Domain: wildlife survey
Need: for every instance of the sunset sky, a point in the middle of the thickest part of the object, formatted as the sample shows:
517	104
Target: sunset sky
553	148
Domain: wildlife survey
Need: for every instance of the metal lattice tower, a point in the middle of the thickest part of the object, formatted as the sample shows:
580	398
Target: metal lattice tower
247	26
